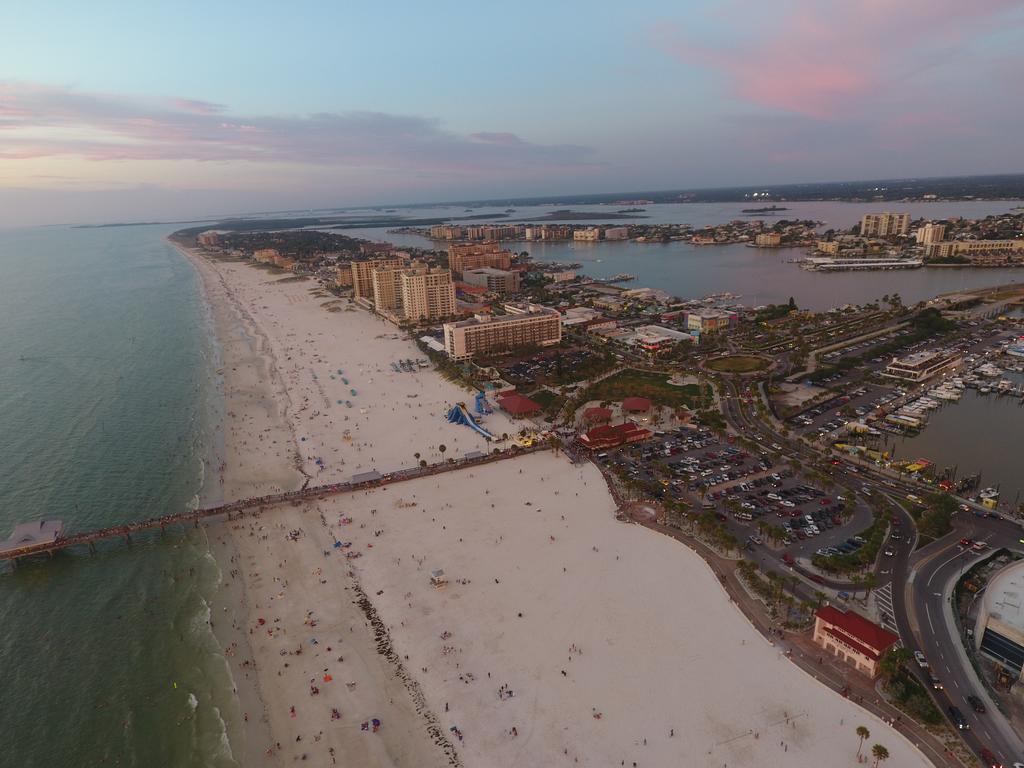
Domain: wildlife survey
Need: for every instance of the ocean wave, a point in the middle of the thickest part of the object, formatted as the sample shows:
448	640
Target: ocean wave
224	743
200	625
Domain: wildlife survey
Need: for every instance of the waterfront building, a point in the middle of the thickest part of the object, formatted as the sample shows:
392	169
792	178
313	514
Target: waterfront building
487	334
447	232
930	233
463	256
362	274
427	294
768	240
616	233
999	627
494	280
588	235
921	366
884	224
556	232
561	276
831	247
208	238
853	638
971	248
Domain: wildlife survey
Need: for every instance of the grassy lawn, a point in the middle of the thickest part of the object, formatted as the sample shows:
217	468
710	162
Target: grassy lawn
653	386
548	400
737	364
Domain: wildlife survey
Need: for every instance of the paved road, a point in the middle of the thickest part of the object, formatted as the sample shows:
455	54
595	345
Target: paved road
937	568
918	585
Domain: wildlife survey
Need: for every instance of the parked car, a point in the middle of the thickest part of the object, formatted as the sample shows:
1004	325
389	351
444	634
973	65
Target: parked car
922	662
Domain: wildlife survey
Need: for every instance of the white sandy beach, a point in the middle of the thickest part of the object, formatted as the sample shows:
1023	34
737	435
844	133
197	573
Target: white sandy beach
618	645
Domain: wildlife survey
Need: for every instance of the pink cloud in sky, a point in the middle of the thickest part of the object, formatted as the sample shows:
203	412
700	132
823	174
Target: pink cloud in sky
45	121
828	59
197	106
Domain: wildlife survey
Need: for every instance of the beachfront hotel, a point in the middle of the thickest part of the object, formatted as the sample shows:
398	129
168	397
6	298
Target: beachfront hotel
463	256
426	294
884	224
362	274
488	333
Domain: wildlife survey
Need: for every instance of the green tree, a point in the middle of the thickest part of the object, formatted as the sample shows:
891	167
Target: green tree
880	753
862	733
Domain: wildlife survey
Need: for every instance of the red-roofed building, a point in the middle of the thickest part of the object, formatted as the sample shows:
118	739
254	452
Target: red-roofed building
518	406
636	405
853	638
607	436
597	415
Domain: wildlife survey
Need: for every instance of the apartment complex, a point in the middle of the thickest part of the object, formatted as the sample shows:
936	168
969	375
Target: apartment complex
975	248
494	280
921	366
427	294
463	256
362	274
487	333
588	235
930	233
884	224
616	233
768	240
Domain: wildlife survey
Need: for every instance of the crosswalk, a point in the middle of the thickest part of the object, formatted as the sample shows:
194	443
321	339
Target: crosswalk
883	599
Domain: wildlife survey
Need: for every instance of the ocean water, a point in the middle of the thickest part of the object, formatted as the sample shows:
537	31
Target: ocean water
107	401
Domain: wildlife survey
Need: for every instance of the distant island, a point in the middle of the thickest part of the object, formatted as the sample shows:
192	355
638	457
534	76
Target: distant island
766	209
569	215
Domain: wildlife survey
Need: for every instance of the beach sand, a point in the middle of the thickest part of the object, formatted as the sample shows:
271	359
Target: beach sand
599	642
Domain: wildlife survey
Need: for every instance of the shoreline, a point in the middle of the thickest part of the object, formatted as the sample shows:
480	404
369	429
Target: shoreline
259	410
536	564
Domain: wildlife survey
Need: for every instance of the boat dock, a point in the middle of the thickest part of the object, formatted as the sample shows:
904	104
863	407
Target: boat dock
47	536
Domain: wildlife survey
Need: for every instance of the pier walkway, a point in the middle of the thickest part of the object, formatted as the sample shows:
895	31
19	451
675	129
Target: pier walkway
361	482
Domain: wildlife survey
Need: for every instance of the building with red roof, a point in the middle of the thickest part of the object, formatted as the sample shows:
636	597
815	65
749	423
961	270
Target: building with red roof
636	405
612	436
853	638
518	406
597	415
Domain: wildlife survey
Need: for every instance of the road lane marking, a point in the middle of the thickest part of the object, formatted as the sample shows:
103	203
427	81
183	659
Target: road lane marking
928	613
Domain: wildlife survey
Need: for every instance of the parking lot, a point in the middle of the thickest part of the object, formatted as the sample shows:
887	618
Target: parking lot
745	491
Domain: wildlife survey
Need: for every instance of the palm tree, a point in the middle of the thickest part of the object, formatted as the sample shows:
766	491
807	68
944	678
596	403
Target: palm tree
862	733
442	448
880	753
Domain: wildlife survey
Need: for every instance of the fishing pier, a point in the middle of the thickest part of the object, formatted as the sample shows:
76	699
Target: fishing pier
47	536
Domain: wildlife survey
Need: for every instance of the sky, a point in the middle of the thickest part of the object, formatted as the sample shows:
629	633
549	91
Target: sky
127	111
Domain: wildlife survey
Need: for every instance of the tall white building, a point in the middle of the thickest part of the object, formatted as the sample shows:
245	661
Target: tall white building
884	224
931	233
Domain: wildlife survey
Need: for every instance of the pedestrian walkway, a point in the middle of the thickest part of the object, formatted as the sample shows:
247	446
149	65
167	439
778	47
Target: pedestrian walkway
886	615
